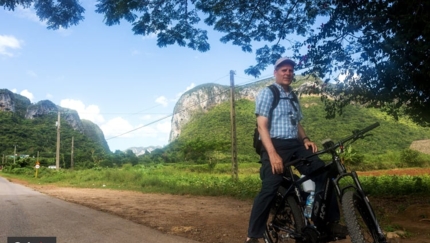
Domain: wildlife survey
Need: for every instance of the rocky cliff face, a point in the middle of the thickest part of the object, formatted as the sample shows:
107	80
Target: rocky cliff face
45	107
143	150
204	97
7	101
15	103
22	106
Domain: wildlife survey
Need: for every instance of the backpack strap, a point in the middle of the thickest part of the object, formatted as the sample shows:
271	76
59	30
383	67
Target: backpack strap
275	101
292	100
277	97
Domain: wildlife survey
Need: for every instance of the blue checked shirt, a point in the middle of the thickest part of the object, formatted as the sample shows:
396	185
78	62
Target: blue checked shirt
285	118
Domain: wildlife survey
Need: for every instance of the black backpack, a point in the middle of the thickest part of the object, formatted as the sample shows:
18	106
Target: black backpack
258	145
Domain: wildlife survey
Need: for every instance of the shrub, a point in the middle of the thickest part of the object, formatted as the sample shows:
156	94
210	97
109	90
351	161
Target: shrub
351	157
410	158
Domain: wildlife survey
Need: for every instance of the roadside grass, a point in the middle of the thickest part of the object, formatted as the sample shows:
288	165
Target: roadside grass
180	178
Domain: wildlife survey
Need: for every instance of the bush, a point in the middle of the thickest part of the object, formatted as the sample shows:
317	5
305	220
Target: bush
410	158
351	157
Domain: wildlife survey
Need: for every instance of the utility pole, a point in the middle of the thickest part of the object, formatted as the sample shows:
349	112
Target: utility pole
57	163
71	155
233	129
14	154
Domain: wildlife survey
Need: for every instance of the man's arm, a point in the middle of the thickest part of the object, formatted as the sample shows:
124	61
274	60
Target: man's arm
275	159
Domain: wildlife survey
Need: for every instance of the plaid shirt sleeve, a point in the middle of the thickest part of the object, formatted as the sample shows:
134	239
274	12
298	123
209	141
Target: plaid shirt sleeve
263	102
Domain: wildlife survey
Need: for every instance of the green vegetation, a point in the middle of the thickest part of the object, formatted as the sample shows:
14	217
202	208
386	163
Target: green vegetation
198	180
39	136
207	137
199	161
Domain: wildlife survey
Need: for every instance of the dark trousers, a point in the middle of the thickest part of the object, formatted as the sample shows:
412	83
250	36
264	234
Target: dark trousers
270	183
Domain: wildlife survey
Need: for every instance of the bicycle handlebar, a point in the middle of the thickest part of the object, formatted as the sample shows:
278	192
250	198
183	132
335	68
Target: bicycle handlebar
356	135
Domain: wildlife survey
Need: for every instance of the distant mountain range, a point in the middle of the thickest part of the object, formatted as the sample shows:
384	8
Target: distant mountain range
142	150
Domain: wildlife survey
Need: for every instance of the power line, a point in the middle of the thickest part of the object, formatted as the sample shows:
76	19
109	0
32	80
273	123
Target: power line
69	111
186	108
140	127
119	113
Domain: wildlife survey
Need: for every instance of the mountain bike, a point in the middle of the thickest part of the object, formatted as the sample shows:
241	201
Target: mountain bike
287	222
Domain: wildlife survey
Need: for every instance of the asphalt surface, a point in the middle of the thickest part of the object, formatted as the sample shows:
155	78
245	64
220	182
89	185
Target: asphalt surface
28	213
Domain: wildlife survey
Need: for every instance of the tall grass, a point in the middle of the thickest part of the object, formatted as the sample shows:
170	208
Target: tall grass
197	180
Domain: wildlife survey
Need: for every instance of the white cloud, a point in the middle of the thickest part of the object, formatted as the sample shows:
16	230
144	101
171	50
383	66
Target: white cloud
27	94
192	85
116	126
91	112
164	127
148	132
8	42
49	96
147	117
28	13
162	100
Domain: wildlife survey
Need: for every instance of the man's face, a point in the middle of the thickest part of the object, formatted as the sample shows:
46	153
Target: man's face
284	74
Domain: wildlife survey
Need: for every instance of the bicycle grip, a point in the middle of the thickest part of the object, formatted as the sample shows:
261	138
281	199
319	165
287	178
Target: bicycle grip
373	126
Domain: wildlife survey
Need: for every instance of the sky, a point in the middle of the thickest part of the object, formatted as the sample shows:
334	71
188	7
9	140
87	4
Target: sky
122	82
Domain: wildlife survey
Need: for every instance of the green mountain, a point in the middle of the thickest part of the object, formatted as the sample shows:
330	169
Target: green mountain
30	129
211	130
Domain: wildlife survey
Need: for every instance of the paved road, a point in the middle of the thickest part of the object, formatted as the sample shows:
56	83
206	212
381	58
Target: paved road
25	212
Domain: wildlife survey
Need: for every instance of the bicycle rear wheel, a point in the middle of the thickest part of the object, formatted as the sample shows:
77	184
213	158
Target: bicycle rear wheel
358	219
287	222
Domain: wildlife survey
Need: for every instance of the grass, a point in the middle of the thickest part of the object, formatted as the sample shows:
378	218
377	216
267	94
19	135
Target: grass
197	180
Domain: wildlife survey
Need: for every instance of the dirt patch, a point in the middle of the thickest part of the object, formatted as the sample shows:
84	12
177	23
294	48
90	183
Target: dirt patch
222	219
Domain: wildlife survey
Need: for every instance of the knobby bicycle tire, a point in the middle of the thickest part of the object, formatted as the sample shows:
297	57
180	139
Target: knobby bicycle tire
289	219
358	219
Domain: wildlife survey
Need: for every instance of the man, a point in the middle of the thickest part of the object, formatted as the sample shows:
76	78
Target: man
285	139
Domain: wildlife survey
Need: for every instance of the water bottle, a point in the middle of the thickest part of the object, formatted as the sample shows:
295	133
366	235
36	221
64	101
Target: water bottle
309	205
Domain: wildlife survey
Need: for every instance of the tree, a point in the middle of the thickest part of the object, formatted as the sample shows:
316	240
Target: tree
61	13
381	46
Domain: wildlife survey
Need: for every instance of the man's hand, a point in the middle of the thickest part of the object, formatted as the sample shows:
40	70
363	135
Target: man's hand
276	163
309	144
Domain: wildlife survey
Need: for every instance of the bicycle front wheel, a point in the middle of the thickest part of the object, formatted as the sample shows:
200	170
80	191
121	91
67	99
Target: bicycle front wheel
288	221
361	227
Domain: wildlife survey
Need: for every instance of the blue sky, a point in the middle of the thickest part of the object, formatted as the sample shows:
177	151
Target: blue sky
116	79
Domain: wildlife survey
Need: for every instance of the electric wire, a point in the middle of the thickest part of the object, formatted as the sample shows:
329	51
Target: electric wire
186	108
189	107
